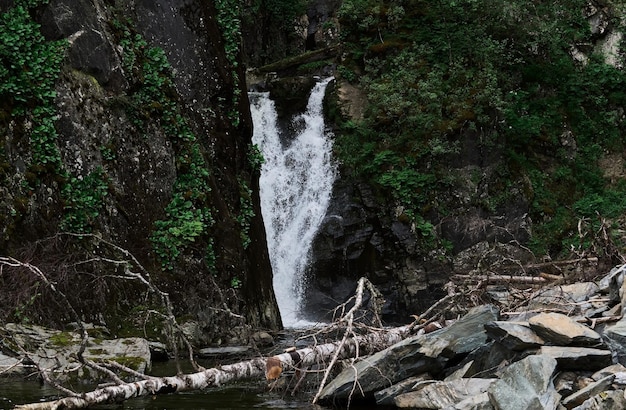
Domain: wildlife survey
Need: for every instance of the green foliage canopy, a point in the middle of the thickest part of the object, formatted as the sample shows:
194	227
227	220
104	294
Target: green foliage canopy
500	73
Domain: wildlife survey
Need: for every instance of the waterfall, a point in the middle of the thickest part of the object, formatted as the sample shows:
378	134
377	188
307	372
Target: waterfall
296	184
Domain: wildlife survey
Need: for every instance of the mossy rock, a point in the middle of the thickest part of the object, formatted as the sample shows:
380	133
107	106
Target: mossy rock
63	339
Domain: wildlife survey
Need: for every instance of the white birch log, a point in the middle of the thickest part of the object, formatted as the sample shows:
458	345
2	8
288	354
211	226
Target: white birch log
255	368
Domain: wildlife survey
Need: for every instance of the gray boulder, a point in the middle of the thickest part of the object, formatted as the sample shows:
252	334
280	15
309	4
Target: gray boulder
386	396
563	330
607	400
571	297
444	394
526	384
615	337
513	335
412	356
57	351
578	358
593	389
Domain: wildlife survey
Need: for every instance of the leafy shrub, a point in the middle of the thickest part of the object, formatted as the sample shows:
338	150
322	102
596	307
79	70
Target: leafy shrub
493	71
84	199
29	67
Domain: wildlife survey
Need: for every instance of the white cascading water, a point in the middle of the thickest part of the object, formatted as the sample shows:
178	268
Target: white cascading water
295	188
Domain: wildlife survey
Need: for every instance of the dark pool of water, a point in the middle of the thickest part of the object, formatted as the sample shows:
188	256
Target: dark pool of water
236	396
250	395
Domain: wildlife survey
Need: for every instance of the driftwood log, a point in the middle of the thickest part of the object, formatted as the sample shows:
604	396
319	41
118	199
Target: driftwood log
255	368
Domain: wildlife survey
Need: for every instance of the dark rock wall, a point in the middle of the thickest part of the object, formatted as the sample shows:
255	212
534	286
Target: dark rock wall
273	30
141	162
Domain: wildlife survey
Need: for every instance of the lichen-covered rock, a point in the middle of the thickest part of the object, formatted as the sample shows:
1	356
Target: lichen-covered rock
444	394
57	351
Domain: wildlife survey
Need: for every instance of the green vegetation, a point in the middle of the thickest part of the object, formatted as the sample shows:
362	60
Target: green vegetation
229	20
281	13
62	339
29	66
499	74
29	69
188	215
84	199
132	362
255	157
246	212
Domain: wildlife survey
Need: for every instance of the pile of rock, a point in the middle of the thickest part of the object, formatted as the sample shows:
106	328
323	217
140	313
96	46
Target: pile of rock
563	348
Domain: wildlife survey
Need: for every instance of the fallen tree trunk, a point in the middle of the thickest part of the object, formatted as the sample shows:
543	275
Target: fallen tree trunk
499	279
255	368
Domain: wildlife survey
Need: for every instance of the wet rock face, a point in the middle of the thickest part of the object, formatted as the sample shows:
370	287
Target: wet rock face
91	48
366	233
362	236
102	128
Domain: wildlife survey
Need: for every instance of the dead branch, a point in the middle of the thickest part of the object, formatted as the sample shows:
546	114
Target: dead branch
132	270
143	275
348	319
499	279
254	368
12	262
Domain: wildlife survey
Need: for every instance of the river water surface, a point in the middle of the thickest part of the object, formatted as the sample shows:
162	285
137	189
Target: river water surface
234	396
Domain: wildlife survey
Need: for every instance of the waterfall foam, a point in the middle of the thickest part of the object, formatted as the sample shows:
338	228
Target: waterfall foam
296	185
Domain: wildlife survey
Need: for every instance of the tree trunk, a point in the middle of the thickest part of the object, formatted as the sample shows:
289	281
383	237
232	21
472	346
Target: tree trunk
255	368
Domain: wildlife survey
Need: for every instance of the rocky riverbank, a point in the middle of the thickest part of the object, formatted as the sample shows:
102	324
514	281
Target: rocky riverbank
524	345
558	347
26	349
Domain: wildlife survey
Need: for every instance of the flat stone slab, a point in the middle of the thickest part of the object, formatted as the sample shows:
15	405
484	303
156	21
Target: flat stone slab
607	400
11	366
386	396
563	330
578	358
526	384
513	335
609	370
581	395
443	394
571	297
133	352
412	356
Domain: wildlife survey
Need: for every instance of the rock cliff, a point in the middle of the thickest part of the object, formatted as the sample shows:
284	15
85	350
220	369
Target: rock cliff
481	221
126	124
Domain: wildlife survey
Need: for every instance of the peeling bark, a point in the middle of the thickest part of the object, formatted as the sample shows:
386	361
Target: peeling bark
254	368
